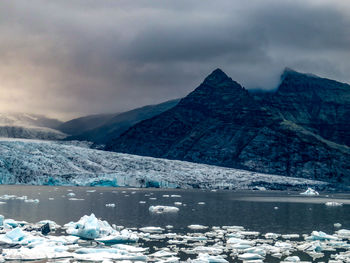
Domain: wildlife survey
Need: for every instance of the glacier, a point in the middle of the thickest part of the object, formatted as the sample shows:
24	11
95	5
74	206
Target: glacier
39	162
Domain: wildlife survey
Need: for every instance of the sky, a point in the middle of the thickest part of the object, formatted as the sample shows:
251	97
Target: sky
69	58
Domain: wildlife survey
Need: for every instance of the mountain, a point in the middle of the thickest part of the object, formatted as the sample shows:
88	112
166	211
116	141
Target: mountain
102	128
30	126
25	119
80	125
53	163
320	105
300	130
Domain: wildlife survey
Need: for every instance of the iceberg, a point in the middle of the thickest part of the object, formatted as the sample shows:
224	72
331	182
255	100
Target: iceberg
206	258
89	227
160	209
319	235
197	227
310	192
333	204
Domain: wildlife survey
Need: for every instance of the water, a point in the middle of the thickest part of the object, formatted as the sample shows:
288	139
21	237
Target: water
263	211
252	209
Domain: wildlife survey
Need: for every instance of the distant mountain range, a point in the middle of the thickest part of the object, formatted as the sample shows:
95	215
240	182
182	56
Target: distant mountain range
105	127
29	126
302	129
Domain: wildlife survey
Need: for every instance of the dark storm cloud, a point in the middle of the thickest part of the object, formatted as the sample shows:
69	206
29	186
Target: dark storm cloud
69	58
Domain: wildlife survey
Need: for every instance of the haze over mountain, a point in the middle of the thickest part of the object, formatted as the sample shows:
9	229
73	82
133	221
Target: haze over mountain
301	129
104	127
29	126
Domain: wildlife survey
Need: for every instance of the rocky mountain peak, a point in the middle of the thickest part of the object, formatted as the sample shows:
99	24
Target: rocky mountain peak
217	77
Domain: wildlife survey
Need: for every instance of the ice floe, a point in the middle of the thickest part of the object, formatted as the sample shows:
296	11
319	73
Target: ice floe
310	192
160	209
95	240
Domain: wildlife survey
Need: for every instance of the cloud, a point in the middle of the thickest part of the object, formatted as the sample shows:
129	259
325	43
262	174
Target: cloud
70	58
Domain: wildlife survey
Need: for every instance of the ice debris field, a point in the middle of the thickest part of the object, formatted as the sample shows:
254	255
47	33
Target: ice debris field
94	240
53	163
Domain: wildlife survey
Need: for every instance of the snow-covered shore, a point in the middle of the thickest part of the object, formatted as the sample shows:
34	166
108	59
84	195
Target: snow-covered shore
52	163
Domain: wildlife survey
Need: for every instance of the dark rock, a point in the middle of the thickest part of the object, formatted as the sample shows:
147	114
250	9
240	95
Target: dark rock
45	229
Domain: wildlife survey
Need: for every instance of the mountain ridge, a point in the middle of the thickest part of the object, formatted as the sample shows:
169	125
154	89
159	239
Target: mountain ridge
282	132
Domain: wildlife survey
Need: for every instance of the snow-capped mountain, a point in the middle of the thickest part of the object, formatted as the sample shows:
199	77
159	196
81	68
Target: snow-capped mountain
53	163
30	126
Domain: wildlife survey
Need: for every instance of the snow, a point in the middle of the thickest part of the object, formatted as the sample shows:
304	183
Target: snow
52	163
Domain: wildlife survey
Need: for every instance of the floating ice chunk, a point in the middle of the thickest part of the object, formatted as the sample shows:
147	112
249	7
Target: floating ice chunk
14	235
201	203
255	250
31	201
310	192
292	259
90	191
76	199
250	256
125	236
197	227
2	203
333	204
51	198
234	240
89	227
337	225
142	202
162	254
7	197
343	233
175	196
290	236
71	194
319	235
166	196
10	222
250	233
24	254
178	203
1	220
160	209
52	224
205	258
152	229
110	205
130	249
271	236
259	188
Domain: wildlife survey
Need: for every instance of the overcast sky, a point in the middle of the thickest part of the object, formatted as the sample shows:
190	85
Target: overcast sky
67	58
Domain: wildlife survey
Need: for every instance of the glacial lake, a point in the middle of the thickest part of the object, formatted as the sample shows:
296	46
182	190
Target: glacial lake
263	211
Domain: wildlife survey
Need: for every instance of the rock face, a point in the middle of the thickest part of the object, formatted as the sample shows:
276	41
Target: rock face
301	130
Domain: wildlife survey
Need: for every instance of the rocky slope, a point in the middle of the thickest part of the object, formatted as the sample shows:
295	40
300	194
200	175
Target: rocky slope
102	128
301	130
